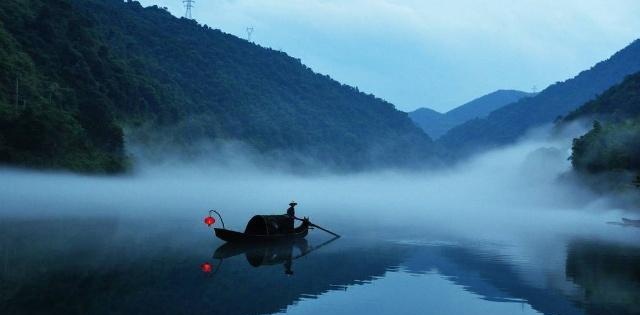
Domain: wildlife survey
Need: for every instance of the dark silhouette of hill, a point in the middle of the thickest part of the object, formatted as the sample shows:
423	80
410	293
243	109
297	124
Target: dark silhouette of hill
619	103
436	124
86	70
507	124
433	123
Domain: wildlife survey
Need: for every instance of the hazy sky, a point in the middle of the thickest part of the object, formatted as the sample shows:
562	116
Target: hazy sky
431	53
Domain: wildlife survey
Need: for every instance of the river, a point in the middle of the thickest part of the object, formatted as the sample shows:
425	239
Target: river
501	234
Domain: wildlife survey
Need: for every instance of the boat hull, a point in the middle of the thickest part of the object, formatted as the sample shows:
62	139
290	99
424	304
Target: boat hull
239	237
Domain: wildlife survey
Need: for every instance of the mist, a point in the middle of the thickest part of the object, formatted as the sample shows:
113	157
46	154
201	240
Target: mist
517	202
505	194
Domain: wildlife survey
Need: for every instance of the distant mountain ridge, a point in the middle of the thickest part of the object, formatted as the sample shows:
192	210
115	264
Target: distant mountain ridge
436	124
432	122
507	124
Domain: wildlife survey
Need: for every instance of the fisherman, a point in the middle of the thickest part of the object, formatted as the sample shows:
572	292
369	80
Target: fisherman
291	213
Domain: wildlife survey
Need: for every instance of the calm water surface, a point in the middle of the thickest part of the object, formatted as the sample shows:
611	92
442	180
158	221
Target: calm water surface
152	266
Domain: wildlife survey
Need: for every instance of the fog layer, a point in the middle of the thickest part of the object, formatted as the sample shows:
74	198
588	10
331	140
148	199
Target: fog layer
510	193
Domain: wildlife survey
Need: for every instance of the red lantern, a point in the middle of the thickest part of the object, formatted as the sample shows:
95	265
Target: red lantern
206	267
209	220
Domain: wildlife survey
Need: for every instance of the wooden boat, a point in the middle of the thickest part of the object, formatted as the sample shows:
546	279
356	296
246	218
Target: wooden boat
265	228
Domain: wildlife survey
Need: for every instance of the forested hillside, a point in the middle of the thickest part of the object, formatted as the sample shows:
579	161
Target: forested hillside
613	144
436	124
84	70
507	124
618	103
59	90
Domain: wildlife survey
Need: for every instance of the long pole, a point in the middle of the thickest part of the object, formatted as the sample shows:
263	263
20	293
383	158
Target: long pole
318	227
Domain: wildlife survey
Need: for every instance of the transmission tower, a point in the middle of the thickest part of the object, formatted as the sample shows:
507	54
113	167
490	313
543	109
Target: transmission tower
249	32
188	5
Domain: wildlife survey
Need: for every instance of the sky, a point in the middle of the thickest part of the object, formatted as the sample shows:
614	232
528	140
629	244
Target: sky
429	53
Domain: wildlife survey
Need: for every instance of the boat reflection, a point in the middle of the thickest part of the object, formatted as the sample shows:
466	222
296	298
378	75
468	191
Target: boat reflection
121	270
269	254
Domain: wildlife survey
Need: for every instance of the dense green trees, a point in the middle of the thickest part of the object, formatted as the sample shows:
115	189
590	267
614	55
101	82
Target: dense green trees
613	144
88	68
612	147
57	90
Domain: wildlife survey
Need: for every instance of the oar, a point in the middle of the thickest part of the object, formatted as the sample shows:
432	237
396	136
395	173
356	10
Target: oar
318	227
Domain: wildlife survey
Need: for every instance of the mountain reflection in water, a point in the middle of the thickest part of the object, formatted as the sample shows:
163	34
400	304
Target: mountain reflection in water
608	275
112	266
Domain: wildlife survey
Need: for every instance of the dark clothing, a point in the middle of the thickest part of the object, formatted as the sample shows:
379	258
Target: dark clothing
291	212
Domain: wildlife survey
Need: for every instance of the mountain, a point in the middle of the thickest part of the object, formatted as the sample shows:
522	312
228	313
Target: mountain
436	124
75	73
613	144
618	103
432	122
482	106
507	124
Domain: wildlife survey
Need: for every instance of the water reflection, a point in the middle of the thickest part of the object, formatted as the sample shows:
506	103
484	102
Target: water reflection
106	266
608	274
111	266
268	254
492	276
